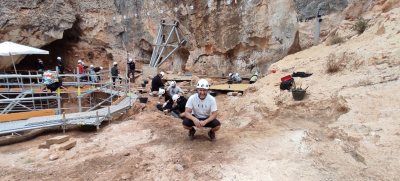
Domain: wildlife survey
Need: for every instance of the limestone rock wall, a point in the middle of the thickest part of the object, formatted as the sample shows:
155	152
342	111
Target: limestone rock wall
223	36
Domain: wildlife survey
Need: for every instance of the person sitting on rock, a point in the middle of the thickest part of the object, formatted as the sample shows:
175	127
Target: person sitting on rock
201	111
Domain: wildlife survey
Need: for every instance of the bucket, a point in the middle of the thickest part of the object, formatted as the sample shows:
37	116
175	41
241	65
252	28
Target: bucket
213	94
298	95
143	99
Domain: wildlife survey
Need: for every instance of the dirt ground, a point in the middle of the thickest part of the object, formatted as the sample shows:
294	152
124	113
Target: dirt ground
153	146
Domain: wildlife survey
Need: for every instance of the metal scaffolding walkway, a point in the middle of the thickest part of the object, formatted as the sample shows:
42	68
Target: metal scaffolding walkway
82	118
94	118
27	92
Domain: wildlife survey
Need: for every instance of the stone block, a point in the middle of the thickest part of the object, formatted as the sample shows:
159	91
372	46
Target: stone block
57	140
67	145
44	145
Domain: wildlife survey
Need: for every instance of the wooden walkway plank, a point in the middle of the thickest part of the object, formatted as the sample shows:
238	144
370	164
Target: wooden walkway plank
26	115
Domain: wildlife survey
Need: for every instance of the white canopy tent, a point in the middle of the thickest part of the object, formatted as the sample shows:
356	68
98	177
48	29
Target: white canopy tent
9	49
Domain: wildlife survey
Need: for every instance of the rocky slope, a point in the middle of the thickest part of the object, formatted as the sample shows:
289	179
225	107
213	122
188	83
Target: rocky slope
349	118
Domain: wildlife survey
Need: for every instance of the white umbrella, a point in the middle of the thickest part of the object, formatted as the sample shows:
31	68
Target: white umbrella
9	49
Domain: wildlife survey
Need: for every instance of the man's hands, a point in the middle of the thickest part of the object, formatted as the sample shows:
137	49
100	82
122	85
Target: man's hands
203	123
200	123
197	122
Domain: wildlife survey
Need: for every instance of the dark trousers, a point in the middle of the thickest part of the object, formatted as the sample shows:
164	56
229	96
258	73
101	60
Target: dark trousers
133	74
114	79
212	124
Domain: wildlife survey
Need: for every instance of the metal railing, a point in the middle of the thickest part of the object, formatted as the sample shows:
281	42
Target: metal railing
24	92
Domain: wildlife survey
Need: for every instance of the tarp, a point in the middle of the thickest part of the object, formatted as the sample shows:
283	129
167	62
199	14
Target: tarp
9	48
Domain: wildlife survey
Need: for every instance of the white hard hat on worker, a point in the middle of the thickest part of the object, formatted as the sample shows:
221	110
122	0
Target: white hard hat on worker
175	97
202	84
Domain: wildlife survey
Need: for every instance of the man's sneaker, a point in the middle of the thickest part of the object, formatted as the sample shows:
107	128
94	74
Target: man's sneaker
211	135
191	133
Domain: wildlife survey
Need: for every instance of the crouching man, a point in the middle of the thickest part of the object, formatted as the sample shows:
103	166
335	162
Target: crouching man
201	111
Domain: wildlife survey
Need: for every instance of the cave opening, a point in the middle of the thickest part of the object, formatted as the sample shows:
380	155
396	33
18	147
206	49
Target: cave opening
59	48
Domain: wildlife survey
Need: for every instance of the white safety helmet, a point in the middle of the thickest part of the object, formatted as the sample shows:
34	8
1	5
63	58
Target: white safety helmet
91	66
162	74
175	97
161	91
115	63
58	58
236	74
230	74
79	61
101	68
202	84
256	74
173	83
130	60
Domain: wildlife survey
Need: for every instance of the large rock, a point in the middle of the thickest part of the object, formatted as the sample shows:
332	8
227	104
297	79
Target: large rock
307	9
223	36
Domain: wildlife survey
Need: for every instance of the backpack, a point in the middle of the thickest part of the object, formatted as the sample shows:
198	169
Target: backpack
286	82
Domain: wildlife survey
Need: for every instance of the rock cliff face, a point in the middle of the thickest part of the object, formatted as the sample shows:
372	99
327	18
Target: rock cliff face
70	29
222	36
307	9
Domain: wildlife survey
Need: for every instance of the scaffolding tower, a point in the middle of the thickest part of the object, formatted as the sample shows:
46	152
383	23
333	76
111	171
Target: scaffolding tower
164	48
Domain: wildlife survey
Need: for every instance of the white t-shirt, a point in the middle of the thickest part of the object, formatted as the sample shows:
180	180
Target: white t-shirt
202	108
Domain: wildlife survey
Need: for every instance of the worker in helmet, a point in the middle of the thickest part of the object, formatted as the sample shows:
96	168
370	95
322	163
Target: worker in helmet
157	84
178	106
92	72
201	111
131	68
175	106
60	65
172	90
254	78
114	73
97	71
234	78
40	66
80	68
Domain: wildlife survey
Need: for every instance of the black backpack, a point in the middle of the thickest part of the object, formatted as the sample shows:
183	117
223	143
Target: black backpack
287	84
